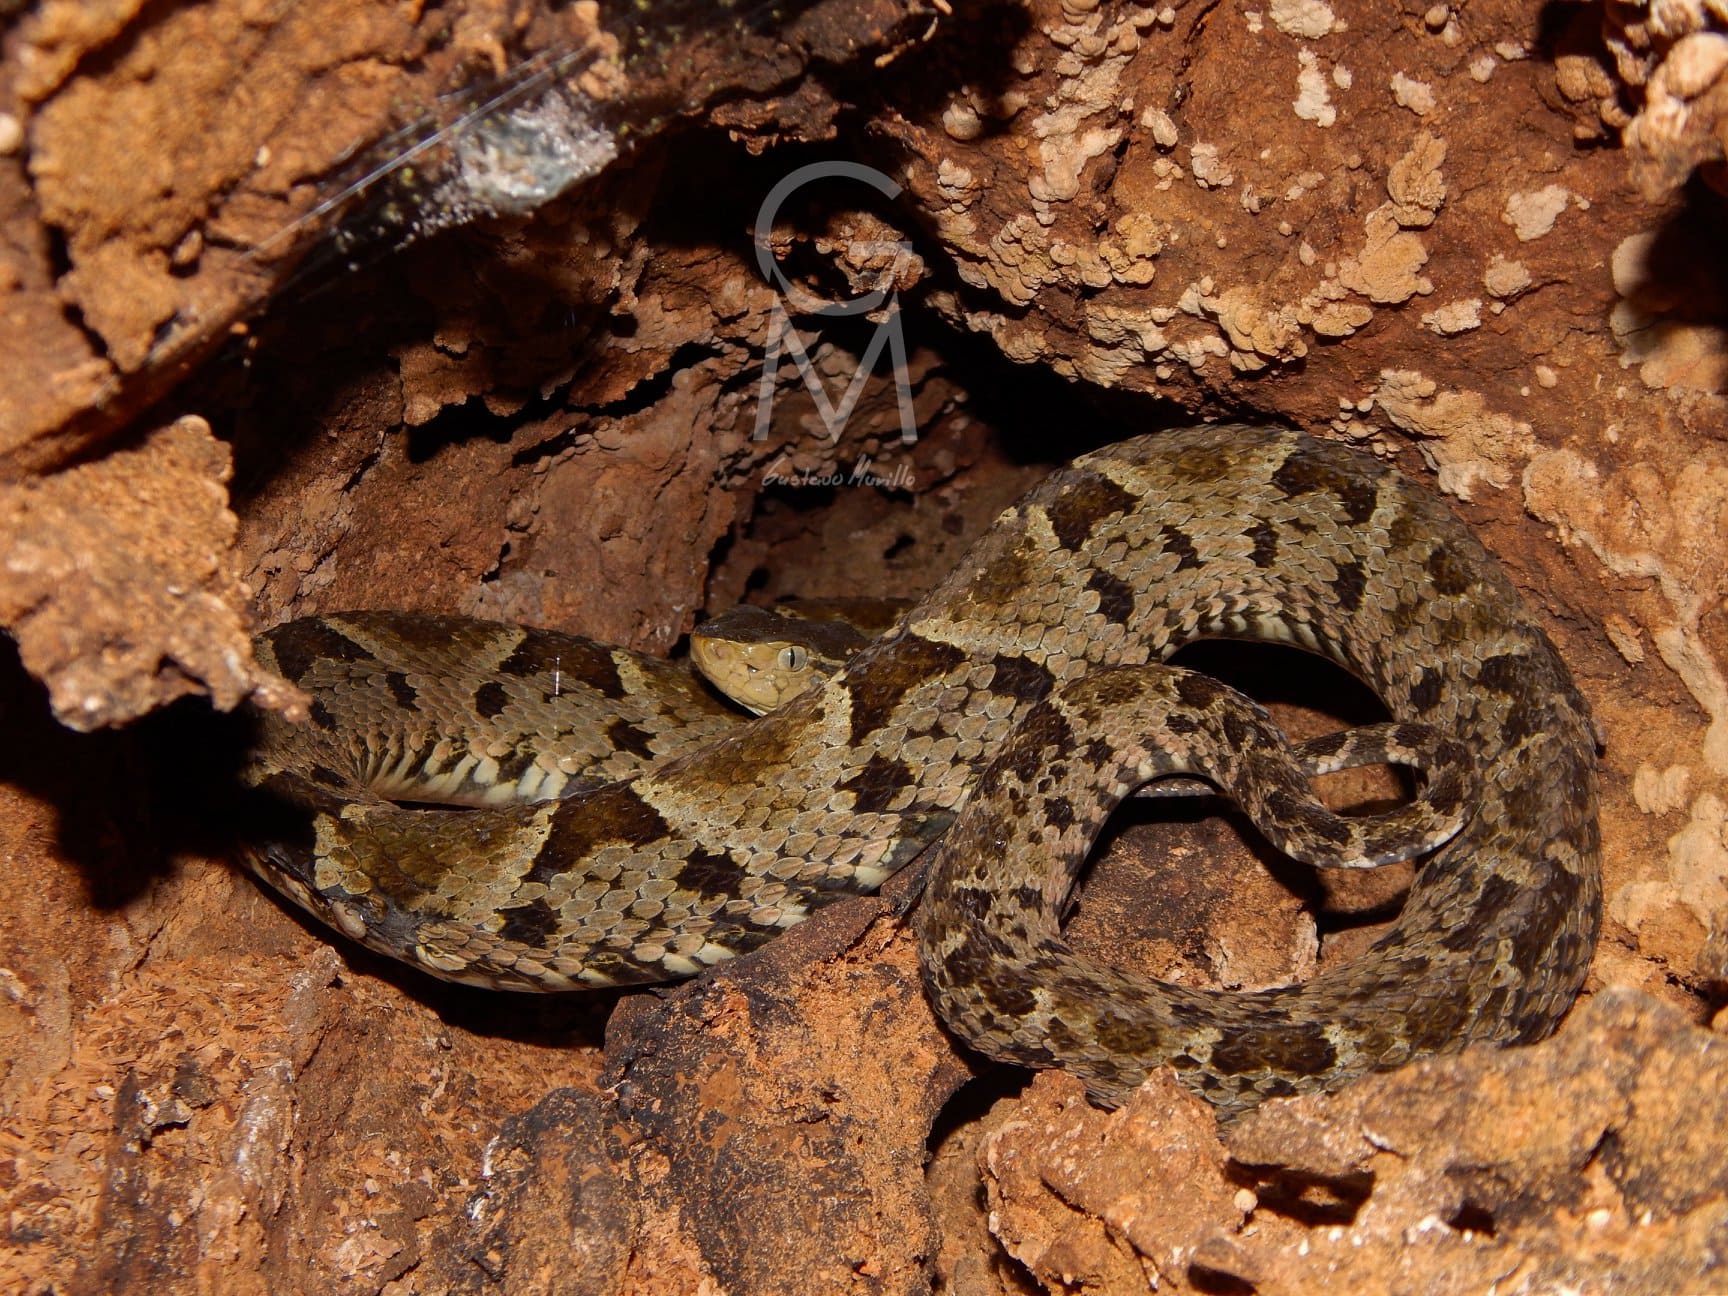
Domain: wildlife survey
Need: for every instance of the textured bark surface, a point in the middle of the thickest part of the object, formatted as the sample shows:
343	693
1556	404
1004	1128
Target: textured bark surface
1479	240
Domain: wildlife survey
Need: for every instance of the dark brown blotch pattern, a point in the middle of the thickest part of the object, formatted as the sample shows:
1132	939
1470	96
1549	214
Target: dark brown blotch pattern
1088	503
1312	469
577	660
623	736
1297	1048
301	645
879	681
1264	537
875	787
1451	573
1021	678
607	816
490	700
532	924
1173	540
1348	585
1115	597
401	690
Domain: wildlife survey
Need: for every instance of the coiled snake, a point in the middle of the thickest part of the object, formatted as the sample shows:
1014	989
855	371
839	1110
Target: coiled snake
1006	714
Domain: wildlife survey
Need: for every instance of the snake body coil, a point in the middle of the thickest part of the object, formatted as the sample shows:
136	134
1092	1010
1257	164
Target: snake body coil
1031	674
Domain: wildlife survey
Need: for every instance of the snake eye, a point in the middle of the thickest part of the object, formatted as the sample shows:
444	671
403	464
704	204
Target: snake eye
792	658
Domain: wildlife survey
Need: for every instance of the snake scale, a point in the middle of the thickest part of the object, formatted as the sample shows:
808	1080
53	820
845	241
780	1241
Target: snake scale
1003	717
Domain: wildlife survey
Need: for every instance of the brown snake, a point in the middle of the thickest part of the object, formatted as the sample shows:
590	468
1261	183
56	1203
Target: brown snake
1006	713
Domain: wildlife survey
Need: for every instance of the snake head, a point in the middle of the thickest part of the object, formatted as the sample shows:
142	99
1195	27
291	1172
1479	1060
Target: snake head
762	658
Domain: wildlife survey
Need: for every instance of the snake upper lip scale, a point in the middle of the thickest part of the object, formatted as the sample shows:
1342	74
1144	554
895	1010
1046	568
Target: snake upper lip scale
1009	709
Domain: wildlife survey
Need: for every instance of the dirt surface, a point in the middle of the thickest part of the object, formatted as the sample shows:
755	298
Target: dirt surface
1478	240
1450	1175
